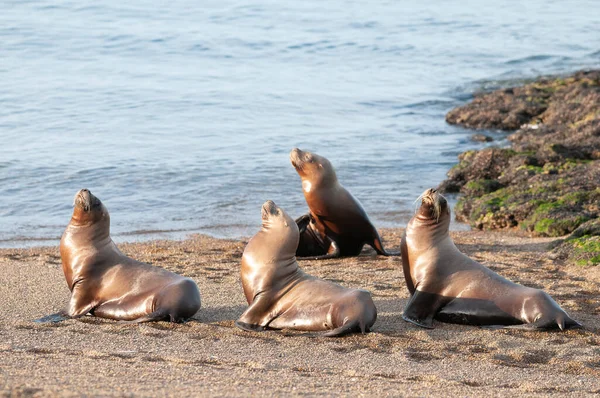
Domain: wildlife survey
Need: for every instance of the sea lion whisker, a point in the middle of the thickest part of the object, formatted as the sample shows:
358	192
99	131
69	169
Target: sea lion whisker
437	208
420	197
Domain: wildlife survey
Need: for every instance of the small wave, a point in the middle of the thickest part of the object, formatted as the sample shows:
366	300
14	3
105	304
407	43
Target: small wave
536	58
432	133
382	104
162	39
94	171
430	104
199	47
307	45
364	25
594	54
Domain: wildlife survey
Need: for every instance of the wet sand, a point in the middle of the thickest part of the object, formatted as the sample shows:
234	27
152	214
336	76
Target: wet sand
209	356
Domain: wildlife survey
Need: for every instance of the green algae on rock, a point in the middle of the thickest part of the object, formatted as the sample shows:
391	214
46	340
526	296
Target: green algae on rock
582	247
548	181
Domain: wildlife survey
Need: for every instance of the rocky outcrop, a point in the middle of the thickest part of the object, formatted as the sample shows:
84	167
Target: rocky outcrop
548	181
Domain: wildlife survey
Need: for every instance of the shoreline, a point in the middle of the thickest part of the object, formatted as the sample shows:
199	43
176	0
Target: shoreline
209	355
145	236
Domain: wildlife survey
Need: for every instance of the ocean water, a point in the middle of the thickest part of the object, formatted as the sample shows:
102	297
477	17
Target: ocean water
180	115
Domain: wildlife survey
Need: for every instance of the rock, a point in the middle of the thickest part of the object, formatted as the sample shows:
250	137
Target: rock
548	181
549	101
582	247
486	164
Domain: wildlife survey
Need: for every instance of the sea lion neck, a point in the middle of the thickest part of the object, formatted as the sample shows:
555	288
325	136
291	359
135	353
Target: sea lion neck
93	227
281	236
428	230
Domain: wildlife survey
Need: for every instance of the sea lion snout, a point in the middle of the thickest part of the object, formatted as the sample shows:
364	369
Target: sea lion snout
295	157
299	158
269	208
429	195
85	200
432	196
433	204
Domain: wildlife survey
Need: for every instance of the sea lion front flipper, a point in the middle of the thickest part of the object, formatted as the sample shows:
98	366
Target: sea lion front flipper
421	308
80	304
302	222
334	252
311	243
253	319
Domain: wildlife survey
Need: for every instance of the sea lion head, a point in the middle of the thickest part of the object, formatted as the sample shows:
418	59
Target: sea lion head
88	208
434	207
312	168
280	225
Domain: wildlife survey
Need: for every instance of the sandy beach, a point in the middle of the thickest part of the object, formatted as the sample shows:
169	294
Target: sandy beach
209	356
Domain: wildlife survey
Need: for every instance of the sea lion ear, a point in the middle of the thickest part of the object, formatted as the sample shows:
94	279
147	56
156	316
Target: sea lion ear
320	166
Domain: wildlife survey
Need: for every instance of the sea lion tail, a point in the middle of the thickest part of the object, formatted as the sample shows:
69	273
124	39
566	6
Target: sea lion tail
346	328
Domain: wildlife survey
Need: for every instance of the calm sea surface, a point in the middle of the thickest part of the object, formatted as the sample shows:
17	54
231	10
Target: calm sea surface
180	115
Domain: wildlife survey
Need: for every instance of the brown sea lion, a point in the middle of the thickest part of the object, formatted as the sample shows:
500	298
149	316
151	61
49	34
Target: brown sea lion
336	225
106	283
282	296
447	285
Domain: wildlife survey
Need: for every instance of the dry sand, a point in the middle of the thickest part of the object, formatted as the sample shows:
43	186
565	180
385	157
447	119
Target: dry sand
209	356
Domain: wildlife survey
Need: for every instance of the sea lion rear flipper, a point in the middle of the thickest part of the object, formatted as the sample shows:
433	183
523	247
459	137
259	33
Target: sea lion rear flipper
558	323
421	309
348	327
253	319
378	245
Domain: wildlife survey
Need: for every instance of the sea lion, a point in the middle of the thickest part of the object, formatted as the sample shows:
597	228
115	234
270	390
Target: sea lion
282	296
106	283
336	225
447	285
